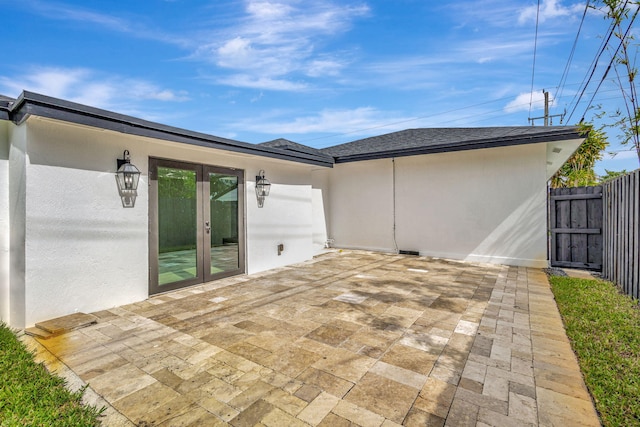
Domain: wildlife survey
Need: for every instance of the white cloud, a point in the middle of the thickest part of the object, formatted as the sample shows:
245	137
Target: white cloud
268	10
61	11
87	87
549	9
324	67
358	121
622	154
479	14
523	101
257	82
270	41
278	39
490	49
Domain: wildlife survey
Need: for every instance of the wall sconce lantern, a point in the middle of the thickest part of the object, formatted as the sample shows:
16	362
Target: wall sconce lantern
127	178
262	188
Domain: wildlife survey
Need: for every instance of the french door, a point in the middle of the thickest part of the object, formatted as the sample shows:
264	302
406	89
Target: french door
196	224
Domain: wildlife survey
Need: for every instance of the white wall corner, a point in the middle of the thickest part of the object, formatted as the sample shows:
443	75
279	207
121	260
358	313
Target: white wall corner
4	220
18	163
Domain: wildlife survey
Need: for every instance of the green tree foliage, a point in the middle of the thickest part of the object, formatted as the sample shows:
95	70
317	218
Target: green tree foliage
611	175
578	169
622	14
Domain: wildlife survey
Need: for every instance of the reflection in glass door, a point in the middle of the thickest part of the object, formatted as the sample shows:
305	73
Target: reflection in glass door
196	227
223	230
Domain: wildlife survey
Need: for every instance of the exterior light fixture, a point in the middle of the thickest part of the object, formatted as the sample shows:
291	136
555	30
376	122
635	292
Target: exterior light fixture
127	178
262	188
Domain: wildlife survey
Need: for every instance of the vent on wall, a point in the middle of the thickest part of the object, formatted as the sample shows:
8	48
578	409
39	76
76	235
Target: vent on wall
405	252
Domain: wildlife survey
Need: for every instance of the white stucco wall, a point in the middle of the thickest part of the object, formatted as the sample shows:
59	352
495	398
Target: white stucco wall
321	208
286	217
73	247
85	252
483	205
361	214
4	220
18	160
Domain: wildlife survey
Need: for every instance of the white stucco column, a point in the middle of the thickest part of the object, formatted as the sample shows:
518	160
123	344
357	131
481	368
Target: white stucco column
18	161
4	220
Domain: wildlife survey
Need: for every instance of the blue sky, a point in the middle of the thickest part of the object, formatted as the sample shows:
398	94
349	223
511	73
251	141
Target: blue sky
316	72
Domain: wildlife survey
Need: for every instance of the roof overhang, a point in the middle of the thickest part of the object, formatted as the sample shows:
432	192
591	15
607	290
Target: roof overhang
556	135
558	152
30	103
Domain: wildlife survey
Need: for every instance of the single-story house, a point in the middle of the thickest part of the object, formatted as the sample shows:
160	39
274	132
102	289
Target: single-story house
73	239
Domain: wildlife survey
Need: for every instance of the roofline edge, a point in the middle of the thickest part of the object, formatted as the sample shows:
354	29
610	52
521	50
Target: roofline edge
30	103
466	146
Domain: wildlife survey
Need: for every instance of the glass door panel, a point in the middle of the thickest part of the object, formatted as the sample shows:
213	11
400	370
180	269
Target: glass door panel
196	224
222	223
177	232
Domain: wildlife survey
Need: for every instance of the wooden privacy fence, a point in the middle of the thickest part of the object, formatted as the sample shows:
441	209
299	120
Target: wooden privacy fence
575	220
621	261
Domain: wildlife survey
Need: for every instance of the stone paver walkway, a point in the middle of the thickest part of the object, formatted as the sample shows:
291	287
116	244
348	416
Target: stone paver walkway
350	338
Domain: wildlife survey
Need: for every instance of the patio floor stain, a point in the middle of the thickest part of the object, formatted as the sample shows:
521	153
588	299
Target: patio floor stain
349	337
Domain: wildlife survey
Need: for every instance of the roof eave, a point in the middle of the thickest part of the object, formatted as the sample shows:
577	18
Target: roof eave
30	103
570	133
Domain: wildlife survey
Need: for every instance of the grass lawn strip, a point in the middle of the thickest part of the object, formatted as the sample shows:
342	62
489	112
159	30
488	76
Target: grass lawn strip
604	328
30	395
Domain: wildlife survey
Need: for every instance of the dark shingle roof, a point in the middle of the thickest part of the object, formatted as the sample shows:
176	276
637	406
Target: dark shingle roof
285	144
5	103
30	103
397	144
436	140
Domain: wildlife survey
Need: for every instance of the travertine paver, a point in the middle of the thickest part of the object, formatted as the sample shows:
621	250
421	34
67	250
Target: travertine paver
350	338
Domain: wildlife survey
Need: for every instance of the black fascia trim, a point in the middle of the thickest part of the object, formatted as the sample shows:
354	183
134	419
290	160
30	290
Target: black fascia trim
39	105
464	146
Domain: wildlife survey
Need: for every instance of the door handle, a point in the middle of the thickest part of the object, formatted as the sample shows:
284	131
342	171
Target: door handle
207	227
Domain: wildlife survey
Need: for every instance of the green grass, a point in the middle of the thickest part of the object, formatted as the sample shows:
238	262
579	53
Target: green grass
31	396
604	328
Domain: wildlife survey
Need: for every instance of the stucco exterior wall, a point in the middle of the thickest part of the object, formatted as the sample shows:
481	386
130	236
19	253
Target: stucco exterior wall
484	205
321	208
85	252
286	217
361	196
4	220
18	160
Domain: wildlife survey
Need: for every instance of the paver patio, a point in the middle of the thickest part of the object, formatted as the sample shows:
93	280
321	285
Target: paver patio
349	338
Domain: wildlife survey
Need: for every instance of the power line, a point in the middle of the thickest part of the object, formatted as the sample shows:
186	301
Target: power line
594	66
565	73
632	89
613	58
498	112
535	48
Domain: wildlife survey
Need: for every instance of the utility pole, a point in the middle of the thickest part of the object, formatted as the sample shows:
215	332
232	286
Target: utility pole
546	107
547	118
